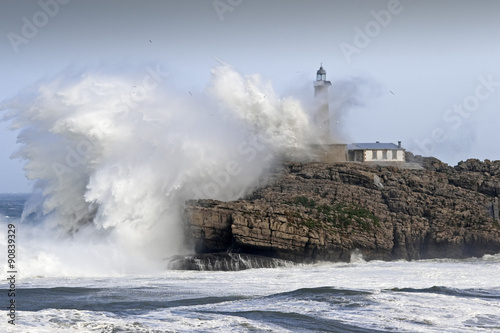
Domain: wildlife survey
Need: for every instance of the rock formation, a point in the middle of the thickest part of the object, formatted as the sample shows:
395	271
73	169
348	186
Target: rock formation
318	211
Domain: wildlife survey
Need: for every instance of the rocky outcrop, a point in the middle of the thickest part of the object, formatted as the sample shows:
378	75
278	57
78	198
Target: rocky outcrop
317	211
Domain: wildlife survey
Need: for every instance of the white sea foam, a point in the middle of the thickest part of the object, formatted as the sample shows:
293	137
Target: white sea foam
418	296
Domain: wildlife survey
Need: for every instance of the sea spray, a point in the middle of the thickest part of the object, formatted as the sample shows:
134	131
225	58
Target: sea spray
356	257
113	169
225	262
281	121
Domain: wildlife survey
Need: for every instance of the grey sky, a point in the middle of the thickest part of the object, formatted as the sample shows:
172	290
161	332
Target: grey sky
411	71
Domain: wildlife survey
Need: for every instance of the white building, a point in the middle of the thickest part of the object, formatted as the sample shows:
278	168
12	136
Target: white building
376	152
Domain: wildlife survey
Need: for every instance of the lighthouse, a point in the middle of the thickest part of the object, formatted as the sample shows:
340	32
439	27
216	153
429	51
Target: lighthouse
323	112
333	150
327	150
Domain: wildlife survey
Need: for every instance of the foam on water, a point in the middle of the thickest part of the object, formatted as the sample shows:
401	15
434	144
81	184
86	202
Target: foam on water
421	296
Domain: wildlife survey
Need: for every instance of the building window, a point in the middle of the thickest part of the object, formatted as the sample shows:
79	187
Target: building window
394	154
374	154
384	154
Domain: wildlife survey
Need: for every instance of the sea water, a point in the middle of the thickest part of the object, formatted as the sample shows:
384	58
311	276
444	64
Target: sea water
375	296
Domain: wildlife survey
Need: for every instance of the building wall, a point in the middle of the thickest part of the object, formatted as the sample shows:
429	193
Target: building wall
384	155
330	153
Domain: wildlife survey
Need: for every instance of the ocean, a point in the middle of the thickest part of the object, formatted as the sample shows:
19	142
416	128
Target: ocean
376	296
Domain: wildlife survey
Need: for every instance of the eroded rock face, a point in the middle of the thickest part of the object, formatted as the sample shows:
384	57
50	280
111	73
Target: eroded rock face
316	211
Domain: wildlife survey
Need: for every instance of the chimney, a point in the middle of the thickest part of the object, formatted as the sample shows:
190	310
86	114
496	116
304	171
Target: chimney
399	144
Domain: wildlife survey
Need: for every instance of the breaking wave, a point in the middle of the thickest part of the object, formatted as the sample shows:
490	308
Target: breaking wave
115	154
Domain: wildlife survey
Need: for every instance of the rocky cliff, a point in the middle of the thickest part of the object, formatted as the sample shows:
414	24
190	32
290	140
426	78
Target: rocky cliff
319	211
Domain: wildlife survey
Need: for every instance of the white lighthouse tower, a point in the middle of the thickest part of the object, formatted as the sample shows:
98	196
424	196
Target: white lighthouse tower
327	150
323	114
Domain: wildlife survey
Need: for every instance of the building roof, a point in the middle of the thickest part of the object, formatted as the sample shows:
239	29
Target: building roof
372	146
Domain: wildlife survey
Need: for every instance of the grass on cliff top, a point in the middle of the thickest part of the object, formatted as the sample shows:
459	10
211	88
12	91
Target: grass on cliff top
339	215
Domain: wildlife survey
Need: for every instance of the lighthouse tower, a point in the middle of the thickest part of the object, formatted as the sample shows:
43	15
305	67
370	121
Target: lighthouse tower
329	150
323	113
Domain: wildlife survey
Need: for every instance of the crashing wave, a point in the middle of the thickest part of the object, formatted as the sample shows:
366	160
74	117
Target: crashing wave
224	262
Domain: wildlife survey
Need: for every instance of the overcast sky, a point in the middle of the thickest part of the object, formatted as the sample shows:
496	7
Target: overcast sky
423	72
